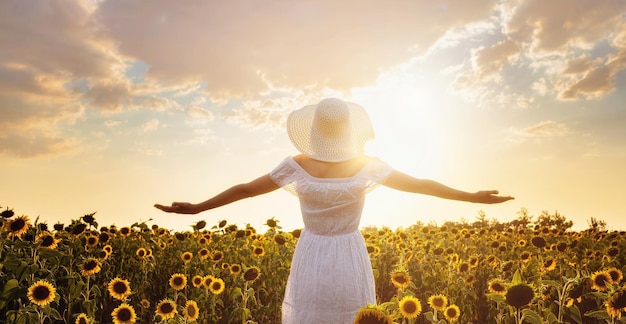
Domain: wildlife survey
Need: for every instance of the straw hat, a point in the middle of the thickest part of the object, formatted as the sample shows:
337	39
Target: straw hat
332	130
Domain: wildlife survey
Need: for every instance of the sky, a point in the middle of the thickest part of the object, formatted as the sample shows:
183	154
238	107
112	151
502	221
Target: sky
111	106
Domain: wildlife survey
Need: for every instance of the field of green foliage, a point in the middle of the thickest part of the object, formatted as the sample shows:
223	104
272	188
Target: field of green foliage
530	270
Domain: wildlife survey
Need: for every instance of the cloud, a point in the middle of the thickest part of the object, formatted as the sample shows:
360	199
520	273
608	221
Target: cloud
151	125
492	59
569	49
36	144
232	46
541	131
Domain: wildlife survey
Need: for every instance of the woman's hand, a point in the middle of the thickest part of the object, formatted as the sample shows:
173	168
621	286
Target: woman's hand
489	197
179	208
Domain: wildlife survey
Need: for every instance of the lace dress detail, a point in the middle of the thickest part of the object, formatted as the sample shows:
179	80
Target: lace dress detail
331	276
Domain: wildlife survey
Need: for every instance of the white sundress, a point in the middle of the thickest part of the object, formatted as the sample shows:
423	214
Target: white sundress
331	275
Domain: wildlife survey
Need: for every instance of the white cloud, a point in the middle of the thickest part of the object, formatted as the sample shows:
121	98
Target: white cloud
151	125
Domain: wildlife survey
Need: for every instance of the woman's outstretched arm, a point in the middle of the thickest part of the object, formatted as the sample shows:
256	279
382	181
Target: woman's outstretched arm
400	181
253	188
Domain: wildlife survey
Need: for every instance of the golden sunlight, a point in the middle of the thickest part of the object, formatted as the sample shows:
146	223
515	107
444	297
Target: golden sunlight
406	118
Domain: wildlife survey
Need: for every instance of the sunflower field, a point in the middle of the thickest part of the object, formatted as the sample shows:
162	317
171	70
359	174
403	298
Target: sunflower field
524	271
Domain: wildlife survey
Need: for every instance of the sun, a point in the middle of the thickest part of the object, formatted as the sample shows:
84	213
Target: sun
408	121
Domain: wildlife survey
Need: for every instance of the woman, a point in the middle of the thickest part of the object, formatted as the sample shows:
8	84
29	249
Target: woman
331	276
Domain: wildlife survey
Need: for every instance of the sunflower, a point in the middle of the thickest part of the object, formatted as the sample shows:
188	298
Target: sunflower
496	286
600	280
279	239
47	240
41	293
17	226
124	314
252	274
125	231
103	237
369	315
473	261
141	253
452	313
178	281
202	240
108	248
438	302
207	280
191	311
612	252
225	266
235	269
144	303
525	257
373	250
616	275
217	286
410	307
400	279
90	266
258	251
166	308
218	256
549	265
616	303
119	288
103	255
81	319
196	281
186	257
519	295
464	267
470	279
203	253
91	241
538	241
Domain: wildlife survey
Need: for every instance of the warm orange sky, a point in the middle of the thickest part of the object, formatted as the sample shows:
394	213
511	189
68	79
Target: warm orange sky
114	105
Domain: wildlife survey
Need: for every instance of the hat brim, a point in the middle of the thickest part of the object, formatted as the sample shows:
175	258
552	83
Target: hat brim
316	146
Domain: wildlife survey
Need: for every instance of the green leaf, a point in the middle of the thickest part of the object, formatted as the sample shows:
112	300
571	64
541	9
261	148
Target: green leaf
551	283
531	317
50	253
574	313
429	316
498	298
598	314
549	316
54	314
517	278
10	285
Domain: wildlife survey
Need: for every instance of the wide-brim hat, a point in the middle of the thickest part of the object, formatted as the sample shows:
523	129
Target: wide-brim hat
332	130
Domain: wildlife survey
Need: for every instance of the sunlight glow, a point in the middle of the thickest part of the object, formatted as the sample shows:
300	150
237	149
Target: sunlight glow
407	123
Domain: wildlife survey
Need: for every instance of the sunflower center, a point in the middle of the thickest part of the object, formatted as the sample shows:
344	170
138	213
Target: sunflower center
497	286
47	241
409	307
124	315
191	311
250	275
167	308
178	281
90	265
120	287
17	225
41	293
